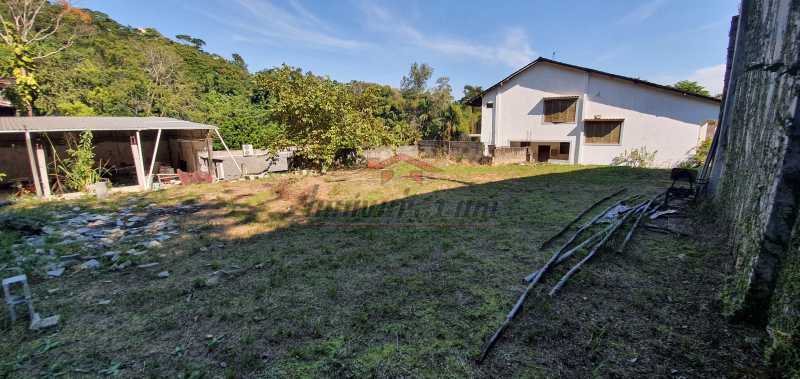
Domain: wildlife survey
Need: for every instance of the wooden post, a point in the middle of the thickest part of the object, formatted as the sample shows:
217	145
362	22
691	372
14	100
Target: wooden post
32	159
40	157
153	160
137	160
210	162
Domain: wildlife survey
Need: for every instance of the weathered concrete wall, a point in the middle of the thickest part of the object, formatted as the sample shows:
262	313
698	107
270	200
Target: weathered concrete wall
386	152
507	155
756	177
455	150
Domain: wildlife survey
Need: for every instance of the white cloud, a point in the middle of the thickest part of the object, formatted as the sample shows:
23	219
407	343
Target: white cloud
272	24
711	78
642	12
514	50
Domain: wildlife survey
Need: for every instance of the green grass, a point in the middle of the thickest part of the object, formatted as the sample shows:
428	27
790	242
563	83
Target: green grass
309	295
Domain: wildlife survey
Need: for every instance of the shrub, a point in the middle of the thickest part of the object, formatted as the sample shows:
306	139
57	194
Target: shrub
78	169
635	158
698	159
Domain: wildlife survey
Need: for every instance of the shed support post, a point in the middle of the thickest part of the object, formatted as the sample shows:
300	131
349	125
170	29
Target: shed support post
229	152
41	158
210	161
32	160
137	159
153	161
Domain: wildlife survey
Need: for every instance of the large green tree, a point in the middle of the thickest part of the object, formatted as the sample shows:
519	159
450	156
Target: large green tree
320	117
33	30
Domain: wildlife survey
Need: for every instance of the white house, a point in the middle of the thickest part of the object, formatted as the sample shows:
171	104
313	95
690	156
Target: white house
572	114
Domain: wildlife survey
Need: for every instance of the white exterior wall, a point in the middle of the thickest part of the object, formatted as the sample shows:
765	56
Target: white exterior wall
662	121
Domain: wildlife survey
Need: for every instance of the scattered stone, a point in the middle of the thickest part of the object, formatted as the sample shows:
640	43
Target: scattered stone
163	274
148	265
153	244
104	302
52	290
55	273
92	264
110	254
38	323
121	266
212	281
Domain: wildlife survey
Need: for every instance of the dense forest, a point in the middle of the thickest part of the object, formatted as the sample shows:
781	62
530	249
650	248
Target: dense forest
92	65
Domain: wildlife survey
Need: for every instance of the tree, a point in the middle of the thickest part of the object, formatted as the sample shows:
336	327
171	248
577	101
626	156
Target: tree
196	42
26	34
692	87
417	80
319	116
239	61
470	92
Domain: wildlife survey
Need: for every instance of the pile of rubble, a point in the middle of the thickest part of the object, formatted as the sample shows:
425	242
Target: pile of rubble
95	236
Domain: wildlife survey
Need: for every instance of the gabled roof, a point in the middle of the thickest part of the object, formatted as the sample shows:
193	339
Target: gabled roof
476	101
76	124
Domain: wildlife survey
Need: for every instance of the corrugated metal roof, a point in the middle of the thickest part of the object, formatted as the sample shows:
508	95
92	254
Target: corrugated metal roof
69	124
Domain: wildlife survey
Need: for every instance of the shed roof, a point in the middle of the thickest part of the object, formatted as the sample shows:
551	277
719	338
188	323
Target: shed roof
476	101
76	124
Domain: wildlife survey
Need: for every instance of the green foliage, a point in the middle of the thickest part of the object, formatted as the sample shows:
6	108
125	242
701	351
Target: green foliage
691	86
2	176
698	158
635	158
320	116
79	169
417	80
196	42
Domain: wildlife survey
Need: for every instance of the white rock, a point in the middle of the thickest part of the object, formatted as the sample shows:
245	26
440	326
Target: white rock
55	273
91	264
163	274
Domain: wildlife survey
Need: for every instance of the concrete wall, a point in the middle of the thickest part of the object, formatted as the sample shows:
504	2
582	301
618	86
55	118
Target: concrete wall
756	174
657	119
508	155
386	152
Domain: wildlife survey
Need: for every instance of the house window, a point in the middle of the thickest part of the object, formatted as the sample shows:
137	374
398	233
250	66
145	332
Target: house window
489	104
560	110
563	148
606	132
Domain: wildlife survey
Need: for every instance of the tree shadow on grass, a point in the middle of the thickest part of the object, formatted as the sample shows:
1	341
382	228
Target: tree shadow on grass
410	287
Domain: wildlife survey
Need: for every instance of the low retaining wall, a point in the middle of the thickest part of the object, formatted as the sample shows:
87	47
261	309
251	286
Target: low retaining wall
386	152
454	150
508	155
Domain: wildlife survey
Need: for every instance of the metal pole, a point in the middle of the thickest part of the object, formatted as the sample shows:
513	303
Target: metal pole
32	159
153	160
229	152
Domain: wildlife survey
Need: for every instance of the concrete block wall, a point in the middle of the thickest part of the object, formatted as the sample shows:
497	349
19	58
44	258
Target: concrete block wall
756	175
508	155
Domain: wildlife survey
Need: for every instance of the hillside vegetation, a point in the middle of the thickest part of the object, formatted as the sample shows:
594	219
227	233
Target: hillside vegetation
117	70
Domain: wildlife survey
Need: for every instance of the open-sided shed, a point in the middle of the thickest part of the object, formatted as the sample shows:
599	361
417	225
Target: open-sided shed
134	149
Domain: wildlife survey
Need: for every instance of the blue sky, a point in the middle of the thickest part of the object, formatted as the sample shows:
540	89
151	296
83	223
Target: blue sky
471	42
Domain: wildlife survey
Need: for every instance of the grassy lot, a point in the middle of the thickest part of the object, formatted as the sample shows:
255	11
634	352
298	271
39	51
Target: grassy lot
265	281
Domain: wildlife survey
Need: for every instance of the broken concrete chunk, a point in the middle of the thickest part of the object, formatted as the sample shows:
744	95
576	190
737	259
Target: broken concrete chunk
92	264
153	244
38	323
55	273
163	274
104	302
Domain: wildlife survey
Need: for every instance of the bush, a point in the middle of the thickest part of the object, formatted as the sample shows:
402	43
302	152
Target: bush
698	159
635	158
79	168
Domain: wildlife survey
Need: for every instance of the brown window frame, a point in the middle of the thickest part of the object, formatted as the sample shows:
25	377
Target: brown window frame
595	139
560	110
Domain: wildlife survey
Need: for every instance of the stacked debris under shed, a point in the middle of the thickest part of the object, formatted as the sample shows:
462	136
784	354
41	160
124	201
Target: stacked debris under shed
633	210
